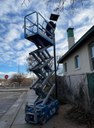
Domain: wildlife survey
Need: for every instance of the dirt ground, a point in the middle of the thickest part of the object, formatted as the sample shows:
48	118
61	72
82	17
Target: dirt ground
61	120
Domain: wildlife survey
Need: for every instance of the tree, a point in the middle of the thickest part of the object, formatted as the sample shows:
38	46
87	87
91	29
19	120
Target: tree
31	62
60	3
17	78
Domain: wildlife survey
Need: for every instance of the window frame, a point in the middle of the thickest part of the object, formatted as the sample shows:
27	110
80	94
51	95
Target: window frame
91	57
65	67
77	62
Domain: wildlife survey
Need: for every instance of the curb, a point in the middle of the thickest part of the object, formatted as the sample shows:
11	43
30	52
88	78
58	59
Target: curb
7	120
13	90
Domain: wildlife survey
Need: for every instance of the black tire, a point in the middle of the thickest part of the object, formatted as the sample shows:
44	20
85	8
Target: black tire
42	120
27	119
57	112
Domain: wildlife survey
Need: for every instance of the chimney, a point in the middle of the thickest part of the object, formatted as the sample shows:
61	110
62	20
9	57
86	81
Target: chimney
70	34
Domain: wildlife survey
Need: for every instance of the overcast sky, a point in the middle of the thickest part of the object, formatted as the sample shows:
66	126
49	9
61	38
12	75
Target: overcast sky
14	48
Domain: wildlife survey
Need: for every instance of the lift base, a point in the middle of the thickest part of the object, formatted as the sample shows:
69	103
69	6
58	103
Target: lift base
40	114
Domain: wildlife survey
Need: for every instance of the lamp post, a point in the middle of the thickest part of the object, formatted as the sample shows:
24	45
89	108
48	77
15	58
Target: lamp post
18	68
54	17
56	92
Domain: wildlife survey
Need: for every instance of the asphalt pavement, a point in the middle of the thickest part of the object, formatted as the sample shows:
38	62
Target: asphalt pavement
7	99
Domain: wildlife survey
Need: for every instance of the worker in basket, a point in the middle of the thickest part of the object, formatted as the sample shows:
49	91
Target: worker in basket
50	29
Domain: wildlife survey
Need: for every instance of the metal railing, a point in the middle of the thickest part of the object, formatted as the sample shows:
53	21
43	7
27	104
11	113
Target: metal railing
36	23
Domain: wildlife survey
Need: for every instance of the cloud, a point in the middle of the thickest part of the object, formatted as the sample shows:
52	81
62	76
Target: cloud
83	16
60	34
12	35
14	47
81	31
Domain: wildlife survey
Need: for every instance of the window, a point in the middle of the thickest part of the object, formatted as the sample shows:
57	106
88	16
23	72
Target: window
65	67
92	55
77	61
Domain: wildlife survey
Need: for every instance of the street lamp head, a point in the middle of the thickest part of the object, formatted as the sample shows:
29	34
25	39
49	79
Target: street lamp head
54	17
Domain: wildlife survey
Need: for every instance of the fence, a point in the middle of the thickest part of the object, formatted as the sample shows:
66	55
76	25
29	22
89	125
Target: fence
77	89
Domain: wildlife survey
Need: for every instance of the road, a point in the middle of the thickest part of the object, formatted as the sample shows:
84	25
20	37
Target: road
7	99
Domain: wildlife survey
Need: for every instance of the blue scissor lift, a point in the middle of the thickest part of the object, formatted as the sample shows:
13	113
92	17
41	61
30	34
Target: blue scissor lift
42	105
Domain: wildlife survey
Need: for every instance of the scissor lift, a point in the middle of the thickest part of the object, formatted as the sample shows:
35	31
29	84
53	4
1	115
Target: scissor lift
42	105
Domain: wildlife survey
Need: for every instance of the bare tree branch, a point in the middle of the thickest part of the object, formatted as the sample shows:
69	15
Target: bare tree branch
60	4
24	2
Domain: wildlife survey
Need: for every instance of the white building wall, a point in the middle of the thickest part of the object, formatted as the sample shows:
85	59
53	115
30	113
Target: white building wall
84	55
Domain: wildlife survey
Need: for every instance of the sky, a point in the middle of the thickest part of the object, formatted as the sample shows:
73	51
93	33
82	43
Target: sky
14	48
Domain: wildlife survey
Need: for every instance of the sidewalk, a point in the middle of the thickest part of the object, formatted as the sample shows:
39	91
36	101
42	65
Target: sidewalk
15	117
7	120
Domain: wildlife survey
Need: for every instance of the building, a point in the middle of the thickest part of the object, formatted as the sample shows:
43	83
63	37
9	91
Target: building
77	84
79	58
